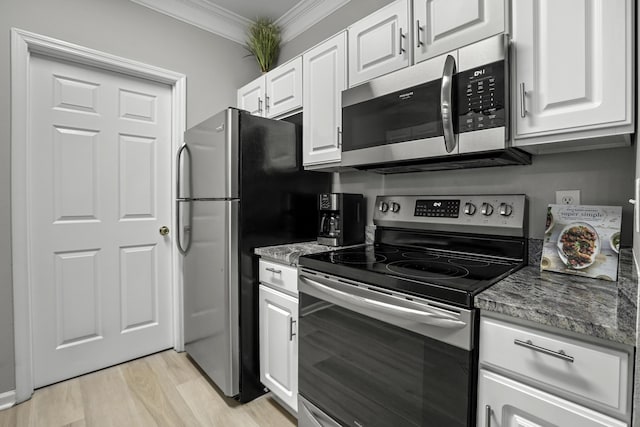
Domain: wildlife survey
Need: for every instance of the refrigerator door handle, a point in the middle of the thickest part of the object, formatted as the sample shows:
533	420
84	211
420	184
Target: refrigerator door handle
187	228
182	148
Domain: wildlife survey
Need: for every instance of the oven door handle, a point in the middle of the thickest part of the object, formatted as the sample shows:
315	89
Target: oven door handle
425	314
446	103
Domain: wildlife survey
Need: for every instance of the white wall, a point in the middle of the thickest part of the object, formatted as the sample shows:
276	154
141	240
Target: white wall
605	177
214	67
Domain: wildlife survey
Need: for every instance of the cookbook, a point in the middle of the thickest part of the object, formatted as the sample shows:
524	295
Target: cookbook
582	240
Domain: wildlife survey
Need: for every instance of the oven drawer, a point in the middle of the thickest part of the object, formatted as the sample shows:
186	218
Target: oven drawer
279	276
590	372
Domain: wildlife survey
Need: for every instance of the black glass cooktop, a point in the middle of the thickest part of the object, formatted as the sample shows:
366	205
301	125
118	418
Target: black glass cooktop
445	276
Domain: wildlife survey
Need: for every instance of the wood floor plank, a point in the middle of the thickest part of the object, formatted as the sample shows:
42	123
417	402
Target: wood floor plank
267	413
58	405
169	382
210	408
145	384
108	401
180	367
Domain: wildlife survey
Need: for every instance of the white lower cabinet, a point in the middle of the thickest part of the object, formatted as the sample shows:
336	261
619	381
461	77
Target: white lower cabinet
279	345
504	402
530	377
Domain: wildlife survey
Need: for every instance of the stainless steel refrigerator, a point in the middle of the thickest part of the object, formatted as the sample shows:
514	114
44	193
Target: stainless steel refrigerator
241	185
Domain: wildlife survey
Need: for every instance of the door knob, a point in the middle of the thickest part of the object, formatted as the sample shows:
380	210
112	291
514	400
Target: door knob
164	230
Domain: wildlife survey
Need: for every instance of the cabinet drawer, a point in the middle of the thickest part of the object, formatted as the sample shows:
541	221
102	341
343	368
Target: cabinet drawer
280	276
597	374
509	403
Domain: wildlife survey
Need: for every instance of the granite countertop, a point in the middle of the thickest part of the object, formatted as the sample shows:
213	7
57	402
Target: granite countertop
593	307
289	253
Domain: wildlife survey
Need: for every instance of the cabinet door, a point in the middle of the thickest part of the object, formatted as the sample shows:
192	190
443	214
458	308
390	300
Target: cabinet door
444	25
284	88
509	403
251	97
573	66
279	344
380	43
325	77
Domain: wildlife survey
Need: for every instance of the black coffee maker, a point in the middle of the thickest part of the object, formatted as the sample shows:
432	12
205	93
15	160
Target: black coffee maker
341	219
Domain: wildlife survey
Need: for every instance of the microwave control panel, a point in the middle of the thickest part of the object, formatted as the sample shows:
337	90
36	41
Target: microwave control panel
481	97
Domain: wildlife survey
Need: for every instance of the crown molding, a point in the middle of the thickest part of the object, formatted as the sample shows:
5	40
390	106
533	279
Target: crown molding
218	20
305	14
204	15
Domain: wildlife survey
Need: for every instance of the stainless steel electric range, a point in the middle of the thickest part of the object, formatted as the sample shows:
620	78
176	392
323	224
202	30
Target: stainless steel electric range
388	333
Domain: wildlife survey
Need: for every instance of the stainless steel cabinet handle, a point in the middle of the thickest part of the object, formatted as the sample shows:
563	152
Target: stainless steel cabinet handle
418	29
259	105
339	137
267	103
530	345
487	416
291	334
273	270
446	103
523	101
401	51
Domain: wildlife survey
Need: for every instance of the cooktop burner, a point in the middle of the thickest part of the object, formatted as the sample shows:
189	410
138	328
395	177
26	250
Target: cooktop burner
425	270
352	257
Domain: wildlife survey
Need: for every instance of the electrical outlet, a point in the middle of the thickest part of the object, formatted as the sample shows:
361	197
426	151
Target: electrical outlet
568	197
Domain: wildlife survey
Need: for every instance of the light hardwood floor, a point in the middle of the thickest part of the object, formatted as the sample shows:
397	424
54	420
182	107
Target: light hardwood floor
164	389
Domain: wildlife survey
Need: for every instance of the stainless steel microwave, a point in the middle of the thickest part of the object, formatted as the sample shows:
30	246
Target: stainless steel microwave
448	112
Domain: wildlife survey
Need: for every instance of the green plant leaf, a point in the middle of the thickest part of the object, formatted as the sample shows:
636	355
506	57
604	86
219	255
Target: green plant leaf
264	42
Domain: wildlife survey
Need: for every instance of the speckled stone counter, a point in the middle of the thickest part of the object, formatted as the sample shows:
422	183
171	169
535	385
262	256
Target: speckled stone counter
289	253
594	307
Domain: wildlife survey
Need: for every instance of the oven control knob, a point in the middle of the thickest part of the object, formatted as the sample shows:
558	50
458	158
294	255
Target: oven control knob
469	208
487	209
505	209
395	207
384	206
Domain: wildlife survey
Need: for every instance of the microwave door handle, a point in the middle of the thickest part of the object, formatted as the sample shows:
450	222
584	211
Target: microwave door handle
446	105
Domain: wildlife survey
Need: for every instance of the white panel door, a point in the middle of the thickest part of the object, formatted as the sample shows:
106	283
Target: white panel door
444	25
380	43
325	77
509	403
99	190
572	65
251	97
284	88
279	344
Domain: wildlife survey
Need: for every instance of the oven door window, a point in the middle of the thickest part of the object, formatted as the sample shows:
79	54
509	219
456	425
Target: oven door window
406	115
365	372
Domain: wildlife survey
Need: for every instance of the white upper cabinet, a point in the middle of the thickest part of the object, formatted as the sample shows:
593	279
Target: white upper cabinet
325	77
276	93
284	88
441	26
251	97
573	72
380	43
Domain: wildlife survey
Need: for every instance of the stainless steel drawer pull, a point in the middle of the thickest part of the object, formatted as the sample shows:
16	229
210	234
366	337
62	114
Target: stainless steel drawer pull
559	354
523	101
273	270
291	333
487	416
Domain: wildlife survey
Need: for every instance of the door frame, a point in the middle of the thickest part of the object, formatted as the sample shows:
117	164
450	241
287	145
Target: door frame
23	45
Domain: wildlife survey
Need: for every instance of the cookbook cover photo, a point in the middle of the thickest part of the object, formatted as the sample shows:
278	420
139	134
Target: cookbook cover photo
582	240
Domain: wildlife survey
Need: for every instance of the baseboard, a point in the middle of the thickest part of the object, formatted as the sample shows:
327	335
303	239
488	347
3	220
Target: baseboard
7	400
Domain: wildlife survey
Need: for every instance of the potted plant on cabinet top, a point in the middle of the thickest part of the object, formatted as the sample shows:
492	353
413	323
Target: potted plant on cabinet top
264	43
